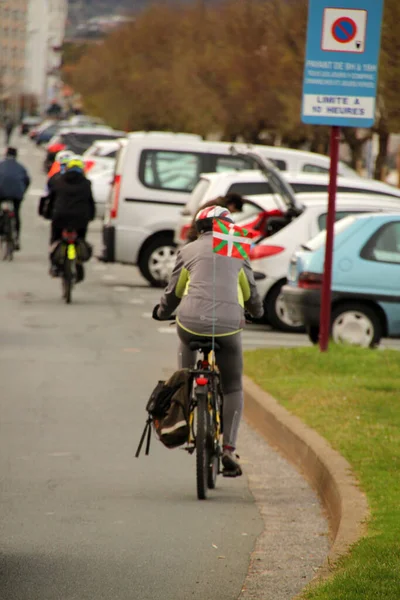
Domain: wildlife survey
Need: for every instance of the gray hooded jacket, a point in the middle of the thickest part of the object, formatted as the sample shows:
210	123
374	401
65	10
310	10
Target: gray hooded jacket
211	291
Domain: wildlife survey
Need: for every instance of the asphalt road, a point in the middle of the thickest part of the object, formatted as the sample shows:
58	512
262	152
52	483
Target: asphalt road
81	518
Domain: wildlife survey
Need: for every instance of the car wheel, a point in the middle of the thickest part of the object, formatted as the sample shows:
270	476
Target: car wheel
313	333
357	325
277	313
157	260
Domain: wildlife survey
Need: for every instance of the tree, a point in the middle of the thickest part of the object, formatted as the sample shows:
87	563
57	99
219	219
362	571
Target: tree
388	101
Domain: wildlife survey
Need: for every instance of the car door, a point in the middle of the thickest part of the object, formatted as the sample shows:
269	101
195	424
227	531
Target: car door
380	261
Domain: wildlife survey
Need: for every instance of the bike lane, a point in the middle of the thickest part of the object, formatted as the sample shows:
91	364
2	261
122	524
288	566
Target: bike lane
81	517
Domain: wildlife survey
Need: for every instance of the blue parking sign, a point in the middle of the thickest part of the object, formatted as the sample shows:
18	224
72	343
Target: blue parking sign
341	66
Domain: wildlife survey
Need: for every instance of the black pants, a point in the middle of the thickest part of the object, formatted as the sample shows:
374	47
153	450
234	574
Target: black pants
57	229
17	208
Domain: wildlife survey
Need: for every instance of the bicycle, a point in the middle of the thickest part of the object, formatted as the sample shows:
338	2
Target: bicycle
8	235
205	418
69	267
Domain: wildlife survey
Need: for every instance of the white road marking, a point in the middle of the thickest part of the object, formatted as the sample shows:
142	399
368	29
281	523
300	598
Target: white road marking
167	330
136	301
109	277
36	192
147	315
60	454
120	288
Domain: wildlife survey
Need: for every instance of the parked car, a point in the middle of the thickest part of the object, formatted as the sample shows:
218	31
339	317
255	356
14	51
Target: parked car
155	173
44	136
28	123
250	183
365	280
77	139
163	174
101	180
270	256
34	132
101	154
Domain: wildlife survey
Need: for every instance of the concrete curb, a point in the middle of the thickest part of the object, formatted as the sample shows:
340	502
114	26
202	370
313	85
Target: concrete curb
325	469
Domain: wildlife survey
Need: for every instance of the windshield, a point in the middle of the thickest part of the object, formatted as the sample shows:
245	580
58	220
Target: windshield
197	195
319	240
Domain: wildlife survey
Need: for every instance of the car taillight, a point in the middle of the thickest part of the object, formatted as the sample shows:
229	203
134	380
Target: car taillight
264	251
89	164
115	201
184	232
54	148
310	281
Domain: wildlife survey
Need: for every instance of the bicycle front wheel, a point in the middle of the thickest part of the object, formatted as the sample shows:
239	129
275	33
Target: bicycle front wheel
202	444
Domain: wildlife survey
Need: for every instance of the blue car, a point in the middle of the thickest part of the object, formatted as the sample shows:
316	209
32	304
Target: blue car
365	280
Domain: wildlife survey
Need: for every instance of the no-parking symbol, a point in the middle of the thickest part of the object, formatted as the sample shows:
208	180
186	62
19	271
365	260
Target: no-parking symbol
344	30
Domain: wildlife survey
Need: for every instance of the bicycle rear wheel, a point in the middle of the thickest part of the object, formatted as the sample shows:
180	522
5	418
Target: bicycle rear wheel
10	249
213	451
202	445
4	248
67	282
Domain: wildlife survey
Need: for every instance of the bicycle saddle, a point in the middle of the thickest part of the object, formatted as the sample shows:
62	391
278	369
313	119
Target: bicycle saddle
203	346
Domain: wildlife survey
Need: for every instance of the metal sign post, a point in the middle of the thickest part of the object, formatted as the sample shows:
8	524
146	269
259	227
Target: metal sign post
339	89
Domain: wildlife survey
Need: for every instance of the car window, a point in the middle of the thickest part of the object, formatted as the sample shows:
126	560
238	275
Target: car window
165	170
340	214
319	239
250	188
384	245
279	164
307	168
230	163
249	210
79	142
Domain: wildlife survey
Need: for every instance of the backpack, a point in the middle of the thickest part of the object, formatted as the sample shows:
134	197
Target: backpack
168	411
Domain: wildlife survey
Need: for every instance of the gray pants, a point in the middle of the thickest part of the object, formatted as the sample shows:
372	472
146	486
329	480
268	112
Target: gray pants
230	362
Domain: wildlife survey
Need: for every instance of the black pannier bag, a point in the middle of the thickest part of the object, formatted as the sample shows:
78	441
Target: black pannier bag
45	207
58	253
58	250
84	250
168	411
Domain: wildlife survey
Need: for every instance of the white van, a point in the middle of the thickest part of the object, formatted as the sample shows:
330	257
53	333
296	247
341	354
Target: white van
154	177
251	183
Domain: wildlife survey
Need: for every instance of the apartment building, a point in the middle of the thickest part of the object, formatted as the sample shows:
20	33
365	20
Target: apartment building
13	24
45	34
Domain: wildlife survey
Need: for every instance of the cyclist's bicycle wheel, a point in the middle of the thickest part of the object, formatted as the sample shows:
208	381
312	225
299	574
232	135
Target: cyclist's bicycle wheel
202	444
213	449
67	281
8	239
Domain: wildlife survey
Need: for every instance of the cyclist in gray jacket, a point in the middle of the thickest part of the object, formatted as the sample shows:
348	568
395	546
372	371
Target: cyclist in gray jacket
211	303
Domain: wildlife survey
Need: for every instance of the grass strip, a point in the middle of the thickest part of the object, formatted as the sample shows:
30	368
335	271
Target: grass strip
350	396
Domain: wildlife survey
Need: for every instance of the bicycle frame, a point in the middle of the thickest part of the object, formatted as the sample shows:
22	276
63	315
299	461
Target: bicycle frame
204	374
